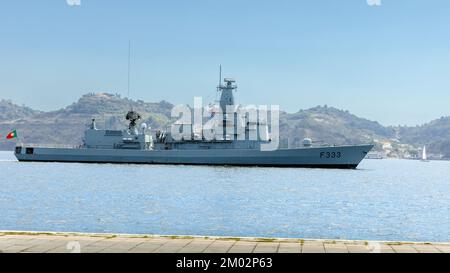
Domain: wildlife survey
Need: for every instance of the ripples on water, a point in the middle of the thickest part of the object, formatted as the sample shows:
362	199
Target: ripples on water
383	200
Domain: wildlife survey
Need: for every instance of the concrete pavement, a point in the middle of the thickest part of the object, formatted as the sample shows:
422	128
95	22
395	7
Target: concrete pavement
17	242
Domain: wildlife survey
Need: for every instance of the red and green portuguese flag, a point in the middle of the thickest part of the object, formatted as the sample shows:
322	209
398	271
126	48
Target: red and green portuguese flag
12	135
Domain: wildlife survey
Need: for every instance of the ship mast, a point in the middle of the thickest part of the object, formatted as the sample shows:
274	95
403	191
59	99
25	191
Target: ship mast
227	99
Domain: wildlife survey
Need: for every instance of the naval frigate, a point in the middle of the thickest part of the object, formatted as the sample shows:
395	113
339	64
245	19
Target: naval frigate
138	145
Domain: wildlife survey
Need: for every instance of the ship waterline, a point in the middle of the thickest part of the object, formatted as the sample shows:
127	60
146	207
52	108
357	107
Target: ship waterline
316	157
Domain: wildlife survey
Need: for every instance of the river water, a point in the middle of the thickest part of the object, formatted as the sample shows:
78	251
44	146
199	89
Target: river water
395	200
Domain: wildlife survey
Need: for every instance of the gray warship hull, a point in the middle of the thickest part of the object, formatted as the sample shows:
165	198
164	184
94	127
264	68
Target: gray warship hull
344	157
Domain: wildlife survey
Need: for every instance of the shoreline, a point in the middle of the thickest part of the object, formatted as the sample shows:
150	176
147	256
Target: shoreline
64	242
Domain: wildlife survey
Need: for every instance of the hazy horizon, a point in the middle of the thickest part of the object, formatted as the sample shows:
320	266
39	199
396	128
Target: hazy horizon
387	63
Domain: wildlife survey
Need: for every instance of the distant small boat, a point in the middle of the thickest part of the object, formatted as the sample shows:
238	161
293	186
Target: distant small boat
424	155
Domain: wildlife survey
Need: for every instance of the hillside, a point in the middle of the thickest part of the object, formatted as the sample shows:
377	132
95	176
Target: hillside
11	112
325	125
66	126
435	134
332	126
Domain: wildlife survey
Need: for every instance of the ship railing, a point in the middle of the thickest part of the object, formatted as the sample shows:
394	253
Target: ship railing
41	145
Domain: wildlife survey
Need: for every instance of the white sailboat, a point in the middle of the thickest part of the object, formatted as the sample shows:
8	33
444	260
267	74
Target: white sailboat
424	154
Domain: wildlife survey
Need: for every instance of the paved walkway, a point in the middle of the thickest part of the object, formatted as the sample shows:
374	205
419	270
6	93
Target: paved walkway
98	243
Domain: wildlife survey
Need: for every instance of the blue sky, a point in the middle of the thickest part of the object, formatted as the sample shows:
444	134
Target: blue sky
389	63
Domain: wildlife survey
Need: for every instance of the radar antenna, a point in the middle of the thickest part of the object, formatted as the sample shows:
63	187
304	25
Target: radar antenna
132	115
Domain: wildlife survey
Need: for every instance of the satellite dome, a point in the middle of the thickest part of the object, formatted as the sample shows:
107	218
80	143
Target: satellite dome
307	142
144	126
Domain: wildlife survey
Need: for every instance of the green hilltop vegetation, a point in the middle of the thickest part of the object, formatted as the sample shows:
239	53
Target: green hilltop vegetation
325	125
